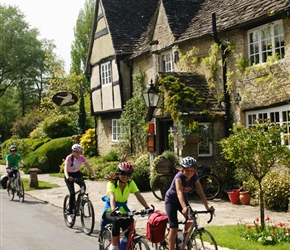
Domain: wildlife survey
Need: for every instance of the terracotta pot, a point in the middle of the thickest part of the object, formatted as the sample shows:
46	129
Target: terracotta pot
234	196
245	197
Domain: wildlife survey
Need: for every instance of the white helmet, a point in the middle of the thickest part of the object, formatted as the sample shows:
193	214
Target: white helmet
188	162
77	147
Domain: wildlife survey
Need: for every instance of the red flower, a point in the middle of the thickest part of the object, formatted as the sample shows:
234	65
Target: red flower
288	229
274	233
274	227
249	226
267	218
257	219
282	224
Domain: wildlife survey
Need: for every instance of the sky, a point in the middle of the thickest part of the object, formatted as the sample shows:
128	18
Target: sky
55	20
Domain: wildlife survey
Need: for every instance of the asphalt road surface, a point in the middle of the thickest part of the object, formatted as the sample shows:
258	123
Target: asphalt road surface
37	225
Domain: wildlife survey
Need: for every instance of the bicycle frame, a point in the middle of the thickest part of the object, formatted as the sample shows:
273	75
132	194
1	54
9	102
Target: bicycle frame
133	237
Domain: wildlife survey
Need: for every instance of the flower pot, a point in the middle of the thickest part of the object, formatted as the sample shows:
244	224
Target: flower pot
234	196
245	197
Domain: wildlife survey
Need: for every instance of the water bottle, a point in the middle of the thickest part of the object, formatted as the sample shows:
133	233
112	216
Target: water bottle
123	242
179	238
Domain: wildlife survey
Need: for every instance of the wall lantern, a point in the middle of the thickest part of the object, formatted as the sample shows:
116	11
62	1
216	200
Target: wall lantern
151	98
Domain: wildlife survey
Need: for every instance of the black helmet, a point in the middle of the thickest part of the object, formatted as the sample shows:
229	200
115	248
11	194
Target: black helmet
188	162
125	167
13	148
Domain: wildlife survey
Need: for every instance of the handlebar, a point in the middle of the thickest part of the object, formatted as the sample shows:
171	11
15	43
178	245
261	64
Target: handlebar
130	214
194	213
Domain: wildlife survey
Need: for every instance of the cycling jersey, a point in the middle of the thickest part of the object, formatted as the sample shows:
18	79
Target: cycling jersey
171	195
13	160
74	163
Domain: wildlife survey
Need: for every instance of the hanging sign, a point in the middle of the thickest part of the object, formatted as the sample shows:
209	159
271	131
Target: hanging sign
65	99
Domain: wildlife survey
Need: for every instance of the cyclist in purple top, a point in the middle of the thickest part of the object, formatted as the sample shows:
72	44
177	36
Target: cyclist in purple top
176	197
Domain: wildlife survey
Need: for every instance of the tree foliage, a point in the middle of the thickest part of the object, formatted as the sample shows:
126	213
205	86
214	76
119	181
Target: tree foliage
256	150
132	121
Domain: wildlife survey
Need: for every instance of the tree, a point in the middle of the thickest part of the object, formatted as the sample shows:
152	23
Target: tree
19	47
79	50
256	150
82	34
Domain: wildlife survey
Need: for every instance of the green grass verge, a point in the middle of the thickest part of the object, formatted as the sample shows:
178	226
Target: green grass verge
41	185
229	236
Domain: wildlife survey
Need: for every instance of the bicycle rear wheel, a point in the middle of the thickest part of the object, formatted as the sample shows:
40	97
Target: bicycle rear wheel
140	244
105	238
87	216
210	185
202	240
66	213
160	185
21	191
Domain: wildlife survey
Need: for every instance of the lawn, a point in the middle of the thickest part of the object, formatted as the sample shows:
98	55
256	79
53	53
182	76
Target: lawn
229	236
41	185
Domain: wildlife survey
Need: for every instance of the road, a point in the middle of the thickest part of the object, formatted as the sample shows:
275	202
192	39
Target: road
35	225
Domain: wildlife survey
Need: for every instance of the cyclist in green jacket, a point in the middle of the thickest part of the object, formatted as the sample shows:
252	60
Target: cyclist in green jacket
12	162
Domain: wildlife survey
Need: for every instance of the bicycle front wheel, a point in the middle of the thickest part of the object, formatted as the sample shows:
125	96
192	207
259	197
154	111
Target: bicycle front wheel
202	240
139	243
87	216
105	239
21	191
10	192
210	185
160	185
66	213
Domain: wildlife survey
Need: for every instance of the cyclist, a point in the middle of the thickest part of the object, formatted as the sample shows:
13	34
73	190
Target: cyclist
176	197
12	162
72	170
119	187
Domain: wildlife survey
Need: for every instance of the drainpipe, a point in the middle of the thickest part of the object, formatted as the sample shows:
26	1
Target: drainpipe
227	104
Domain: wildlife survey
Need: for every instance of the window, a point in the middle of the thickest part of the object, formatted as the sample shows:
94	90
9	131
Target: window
279	115
264	41
205	144
116	130
106	73
166	63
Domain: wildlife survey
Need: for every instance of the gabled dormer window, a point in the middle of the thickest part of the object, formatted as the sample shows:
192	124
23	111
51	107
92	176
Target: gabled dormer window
106	73
166	62
266	40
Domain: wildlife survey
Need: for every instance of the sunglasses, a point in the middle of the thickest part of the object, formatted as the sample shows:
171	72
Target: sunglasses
76	151
126	174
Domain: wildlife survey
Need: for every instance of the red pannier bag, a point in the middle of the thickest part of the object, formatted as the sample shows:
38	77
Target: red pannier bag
156	226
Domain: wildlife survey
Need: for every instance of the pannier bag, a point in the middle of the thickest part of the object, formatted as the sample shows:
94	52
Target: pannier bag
3	181
156	226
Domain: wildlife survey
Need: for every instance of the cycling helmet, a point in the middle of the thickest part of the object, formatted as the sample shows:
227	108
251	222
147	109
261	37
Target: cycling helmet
125	167
188	162
13	148
77	147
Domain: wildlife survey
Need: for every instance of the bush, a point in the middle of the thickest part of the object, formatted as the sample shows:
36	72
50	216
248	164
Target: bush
59	126
276	186
50	155
142	172
88	142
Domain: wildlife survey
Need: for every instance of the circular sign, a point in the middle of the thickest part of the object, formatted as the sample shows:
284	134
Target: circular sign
65	98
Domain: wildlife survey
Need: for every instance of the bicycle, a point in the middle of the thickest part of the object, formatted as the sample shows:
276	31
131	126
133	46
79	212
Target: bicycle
135	241
16	186
210	184
196	238
83	207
